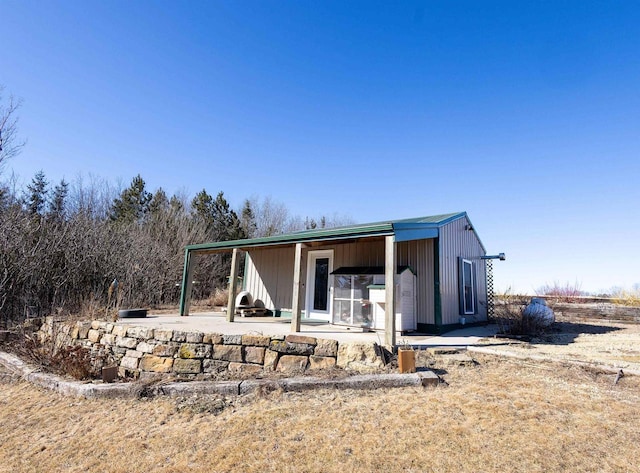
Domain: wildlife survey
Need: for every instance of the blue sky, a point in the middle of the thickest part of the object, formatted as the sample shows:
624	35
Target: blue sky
526	115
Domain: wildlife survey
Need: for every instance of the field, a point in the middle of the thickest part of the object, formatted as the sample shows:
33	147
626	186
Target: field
498	415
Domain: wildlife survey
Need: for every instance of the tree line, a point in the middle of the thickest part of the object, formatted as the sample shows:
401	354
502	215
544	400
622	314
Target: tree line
62	245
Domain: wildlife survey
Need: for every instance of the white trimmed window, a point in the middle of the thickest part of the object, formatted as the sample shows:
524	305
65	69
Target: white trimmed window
467	288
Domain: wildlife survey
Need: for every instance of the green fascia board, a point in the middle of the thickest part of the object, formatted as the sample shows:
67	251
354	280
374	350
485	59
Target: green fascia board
300	237
406	229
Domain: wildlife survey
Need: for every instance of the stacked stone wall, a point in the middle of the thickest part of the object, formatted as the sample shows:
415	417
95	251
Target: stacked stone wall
141	352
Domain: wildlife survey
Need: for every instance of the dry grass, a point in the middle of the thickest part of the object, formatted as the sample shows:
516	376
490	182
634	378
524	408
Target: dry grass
498	416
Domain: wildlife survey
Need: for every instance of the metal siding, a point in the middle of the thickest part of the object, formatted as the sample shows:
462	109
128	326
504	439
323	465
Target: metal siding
418	254
270	276
456	241
269	273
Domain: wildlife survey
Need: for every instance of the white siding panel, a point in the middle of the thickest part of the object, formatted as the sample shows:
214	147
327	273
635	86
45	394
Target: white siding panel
456	241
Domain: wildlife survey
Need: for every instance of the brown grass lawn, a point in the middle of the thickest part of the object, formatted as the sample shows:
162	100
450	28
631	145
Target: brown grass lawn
501	416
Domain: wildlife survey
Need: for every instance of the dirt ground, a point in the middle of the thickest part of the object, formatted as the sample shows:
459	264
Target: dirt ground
596	341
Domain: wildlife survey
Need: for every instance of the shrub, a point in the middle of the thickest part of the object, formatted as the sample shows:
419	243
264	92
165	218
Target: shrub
219	297
511	319
627	297
566	292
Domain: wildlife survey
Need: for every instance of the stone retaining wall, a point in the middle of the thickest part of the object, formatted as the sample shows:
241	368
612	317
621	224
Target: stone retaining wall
142	351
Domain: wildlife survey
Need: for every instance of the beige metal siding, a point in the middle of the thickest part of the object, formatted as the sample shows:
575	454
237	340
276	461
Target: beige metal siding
269	276
419	255
269	271
456	241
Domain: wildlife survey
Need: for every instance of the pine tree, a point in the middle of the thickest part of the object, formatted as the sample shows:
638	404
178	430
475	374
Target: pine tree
36	197
248	220
58	201
133	203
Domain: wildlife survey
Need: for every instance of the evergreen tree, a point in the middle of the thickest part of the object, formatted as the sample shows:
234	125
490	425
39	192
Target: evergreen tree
36	196
133	203
248	220
58	201
159	202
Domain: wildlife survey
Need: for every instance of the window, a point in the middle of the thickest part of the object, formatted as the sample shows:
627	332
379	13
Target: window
467	288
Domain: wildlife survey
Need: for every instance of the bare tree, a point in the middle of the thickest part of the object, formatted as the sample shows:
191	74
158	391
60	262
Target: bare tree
10	145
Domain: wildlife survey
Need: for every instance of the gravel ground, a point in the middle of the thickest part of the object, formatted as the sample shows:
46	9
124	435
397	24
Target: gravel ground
589	340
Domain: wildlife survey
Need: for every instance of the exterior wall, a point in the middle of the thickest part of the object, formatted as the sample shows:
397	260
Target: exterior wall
455	241
419	255
269	271
269	276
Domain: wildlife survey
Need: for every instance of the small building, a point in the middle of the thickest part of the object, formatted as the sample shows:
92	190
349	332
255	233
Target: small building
426	274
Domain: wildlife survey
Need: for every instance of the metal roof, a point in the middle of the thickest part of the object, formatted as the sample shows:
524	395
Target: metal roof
404	230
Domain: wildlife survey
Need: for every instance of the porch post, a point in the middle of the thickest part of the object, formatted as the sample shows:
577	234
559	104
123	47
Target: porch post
295	300
233	283
187	282
389	293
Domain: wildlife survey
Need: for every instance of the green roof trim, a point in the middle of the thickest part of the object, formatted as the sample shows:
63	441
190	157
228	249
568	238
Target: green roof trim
404	230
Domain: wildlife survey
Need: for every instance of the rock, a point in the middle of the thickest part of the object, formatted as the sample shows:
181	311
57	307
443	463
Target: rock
187	366
95	324
212	338
256	340
133	354
179	336
126	342
144	333
119	330
232	339
289	363
165	350
358	356
539	313
194	337
156	364
162	335
108	339
129	362
145	347
94	335
194	350
254	354
214	366
326	347
321	362
244	368
301	339
227	353
288	348
270	360
83	329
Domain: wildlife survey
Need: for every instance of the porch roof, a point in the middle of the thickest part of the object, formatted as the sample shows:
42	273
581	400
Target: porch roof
404	230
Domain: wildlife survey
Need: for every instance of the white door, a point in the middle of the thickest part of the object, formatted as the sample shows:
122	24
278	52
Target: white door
319	285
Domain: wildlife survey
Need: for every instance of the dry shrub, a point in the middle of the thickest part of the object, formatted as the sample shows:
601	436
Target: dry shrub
74	361
219	297
566	292
629	298
510	318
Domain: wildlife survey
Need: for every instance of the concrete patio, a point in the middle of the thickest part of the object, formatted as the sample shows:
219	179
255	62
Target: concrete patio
215	322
